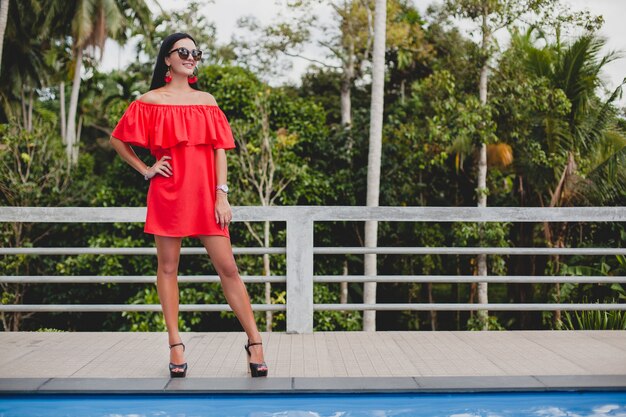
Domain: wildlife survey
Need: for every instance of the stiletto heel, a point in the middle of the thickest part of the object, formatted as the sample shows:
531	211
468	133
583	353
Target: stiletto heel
256	369
178	374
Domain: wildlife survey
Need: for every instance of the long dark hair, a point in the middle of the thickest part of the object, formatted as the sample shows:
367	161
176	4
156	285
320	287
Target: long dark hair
160	68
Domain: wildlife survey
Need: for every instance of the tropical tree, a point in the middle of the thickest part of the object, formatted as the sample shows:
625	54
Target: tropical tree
584	150
90	23
491	16
374	156
266	162
32	173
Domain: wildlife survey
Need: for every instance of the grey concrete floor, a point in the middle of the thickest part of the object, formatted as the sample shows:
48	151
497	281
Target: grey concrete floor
323	360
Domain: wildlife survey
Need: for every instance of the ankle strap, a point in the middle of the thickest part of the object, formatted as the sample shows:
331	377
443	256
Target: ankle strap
255	343
178	344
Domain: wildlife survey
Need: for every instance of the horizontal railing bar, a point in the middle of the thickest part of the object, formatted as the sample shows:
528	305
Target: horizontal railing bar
354	250
112	308
468	307
127	279
358	250
259	279
470	214
497	279
329	213
130	251
94	308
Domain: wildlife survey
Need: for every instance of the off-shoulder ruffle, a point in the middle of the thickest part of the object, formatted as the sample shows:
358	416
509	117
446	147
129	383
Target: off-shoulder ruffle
162	126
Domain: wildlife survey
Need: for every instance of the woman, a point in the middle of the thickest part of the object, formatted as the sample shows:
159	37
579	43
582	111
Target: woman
188	134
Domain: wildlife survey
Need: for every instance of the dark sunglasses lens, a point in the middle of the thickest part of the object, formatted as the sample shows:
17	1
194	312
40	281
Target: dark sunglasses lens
183	53
196	54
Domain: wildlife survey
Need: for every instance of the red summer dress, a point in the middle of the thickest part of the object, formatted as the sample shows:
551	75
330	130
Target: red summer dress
183	204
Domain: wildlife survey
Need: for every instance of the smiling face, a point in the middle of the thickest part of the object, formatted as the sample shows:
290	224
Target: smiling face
176	63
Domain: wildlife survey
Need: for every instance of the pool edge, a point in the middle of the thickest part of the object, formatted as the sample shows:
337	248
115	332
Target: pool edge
300	385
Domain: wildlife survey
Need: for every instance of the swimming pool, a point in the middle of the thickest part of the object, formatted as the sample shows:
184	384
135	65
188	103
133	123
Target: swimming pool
539	404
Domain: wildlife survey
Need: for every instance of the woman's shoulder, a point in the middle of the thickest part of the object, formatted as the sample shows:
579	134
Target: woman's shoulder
151	97
205	98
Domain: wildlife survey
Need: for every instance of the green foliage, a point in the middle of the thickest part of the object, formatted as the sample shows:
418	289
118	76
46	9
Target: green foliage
561	119
594	320
33	168
490	234
456	122
34	172
333	320
233	87
475	323
155	322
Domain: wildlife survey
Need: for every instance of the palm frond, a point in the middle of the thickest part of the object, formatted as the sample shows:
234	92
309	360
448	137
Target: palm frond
607	180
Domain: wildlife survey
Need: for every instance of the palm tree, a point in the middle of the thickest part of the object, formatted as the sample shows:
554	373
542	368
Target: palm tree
490	16
587	142
92	22
588	139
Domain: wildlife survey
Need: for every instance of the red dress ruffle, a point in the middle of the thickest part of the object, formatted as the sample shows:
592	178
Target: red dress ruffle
183	204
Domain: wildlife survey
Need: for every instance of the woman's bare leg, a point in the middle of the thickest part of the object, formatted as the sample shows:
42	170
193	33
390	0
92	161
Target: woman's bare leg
168	254
221	254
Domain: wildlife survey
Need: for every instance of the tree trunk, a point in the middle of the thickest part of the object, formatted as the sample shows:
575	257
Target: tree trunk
482	175
267	272
31	104
556	239
70	140
347	76
77	140
374	156
62	110
346	104
523	266
24	109
433	313
343	288
4	13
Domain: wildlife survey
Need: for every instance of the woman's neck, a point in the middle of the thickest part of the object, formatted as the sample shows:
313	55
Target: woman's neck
178	85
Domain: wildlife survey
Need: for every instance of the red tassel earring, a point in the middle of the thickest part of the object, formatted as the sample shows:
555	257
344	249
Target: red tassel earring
168	76
194	77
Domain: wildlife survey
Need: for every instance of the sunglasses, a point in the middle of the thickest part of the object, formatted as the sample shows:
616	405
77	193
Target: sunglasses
183	53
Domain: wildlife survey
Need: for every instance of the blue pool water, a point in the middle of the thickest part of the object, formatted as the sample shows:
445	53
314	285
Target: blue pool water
543	404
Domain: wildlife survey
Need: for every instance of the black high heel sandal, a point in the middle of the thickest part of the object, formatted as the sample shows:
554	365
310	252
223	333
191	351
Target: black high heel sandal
178	374
256	369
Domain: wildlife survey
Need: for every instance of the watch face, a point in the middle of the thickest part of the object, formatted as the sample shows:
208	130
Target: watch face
223	188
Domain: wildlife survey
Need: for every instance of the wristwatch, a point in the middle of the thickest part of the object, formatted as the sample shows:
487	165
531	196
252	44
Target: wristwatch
222	187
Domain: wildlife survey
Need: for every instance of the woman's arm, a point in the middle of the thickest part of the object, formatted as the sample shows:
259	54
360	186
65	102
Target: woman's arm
223	213
126	152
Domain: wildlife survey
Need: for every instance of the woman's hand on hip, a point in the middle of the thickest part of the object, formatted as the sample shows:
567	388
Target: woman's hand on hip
161	167
223	213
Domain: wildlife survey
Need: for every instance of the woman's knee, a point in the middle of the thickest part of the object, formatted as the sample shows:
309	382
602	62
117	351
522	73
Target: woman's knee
168	254
228	270
168	268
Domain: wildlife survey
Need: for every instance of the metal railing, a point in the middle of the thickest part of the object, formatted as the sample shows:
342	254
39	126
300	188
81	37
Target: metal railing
300	253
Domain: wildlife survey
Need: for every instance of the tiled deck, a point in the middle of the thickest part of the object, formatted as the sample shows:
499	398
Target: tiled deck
320	361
